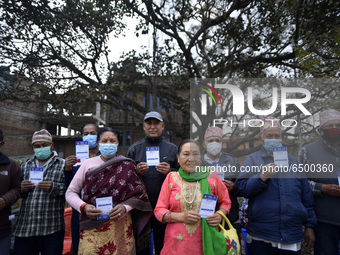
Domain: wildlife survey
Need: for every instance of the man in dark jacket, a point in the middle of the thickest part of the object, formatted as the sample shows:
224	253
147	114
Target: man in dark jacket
227	164
325	153
9	193
280	202
155	158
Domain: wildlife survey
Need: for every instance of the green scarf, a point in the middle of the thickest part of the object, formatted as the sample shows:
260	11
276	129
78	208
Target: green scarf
213	241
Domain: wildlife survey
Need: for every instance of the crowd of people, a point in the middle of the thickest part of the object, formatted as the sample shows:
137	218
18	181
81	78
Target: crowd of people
118	201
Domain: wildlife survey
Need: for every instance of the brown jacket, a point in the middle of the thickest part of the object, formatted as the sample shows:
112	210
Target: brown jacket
10	178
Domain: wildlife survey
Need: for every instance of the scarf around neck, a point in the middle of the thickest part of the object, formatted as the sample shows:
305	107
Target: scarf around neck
213	241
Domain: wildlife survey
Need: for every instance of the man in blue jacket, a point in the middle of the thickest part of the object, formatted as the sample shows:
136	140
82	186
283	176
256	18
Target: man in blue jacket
153	173
325	153
280	202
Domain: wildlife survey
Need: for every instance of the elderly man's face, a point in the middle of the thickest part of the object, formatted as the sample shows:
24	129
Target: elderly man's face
330	130
90	130
38	145
271	133
211	139
153	128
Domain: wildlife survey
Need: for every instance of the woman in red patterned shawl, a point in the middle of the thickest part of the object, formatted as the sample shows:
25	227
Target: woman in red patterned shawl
124	229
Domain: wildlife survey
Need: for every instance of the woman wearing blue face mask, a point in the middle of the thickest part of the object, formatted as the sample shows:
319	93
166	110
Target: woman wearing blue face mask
112	177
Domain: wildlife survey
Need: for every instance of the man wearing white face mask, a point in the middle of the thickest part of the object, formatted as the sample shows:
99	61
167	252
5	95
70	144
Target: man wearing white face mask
214	156
40	225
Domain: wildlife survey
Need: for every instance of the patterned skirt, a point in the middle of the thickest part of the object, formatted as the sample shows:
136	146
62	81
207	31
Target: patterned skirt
114	237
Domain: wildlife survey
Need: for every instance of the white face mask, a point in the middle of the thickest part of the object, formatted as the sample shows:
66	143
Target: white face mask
214	148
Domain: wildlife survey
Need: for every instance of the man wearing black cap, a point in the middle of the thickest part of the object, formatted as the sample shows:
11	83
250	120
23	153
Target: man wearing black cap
155	158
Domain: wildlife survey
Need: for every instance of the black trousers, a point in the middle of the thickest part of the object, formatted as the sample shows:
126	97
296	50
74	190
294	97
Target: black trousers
158	234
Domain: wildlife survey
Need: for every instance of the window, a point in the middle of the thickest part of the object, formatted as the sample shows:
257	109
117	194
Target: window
159	106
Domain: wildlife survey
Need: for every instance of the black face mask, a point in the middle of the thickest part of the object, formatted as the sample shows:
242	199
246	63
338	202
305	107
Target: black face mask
331	135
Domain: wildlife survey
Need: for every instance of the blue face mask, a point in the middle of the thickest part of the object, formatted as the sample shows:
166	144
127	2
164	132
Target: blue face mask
270	144
91	139
43	153
108	149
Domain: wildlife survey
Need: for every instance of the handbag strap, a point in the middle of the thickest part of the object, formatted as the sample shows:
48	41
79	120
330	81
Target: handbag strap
225	220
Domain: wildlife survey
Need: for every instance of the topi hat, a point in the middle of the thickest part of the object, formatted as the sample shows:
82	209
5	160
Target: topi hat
328	115
41	136
213	131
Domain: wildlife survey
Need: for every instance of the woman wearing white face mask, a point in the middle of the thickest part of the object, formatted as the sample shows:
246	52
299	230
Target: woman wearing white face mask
114	178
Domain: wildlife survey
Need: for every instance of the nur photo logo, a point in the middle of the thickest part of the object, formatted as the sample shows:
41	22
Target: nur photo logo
204	96
238	99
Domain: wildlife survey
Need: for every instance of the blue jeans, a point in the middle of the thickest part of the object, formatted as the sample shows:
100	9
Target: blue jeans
263	248
327	238
48	245
5	245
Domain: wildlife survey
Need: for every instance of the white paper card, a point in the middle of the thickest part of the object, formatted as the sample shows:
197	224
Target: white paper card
105	205
281	156
152	156
208	205
82	151
36	175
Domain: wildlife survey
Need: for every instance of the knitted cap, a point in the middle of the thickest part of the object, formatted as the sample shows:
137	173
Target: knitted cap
41	136
269	122
213	131
329	115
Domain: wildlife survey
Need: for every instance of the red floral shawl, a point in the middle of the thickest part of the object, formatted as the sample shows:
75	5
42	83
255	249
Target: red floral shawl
117	178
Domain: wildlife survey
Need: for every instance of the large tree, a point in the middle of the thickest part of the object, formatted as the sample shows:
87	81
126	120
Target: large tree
221	38
62	46
228	39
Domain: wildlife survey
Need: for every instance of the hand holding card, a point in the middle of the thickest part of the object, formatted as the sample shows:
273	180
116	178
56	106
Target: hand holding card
208	205
36	175
105	205
152	156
